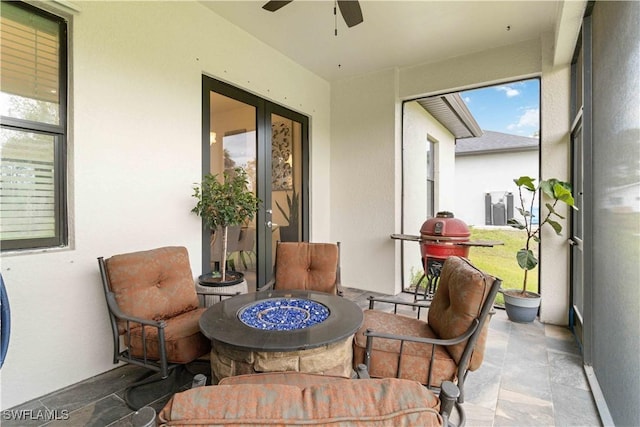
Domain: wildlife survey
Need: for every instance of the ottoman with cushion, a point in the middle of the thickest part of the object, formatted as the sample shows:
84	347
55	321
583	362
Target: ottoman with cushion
293	398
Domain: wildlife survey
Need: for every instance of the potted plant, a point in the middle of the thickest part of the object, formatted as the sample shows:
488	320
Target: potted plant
522	305
223	203
289	233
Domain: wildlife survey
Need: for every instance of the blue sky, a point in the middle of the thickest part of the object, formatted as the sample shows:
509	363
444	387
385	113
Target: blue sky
512	108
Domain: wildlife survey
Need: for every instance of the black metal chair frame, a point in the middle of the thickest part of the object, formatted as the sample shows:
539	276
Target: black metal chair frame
162	365
123	355
471	335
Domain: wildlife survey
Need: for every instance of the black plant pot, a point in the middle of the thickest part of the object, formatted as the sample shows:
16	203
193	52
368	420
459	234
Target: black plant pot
232	278
289	233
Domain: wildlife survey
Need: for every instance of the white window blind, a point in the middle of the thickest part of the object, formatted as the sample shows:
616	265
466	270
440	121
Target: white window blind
33	134
30	55
27	186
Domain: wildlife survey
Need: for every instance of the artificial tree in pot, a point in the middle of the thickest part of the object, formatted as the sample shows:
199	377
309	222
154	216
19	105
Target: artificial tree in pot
554	191
225	202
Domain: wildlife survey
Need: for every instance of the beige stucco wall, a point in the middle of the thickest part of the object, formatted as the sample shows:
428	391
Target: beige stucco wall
136	152
364	179
555	155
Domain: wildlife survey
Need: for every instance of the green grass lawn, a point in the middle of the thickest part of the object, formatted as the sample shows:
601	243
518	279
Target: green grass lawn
500	260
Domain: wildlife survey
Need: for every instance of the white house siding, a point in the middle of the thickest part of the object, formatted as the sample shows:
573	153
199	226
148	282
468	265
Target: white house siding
479	174
136	152
418	128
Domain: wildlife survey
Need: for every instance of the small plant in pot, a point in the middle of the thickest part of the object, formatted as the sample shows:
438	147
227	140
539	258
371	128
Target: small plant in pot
289	233
222	203
522	305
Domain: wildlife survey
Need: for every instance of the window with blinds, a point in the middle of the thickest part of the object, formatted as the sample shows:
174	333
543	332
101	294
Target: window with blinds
33	129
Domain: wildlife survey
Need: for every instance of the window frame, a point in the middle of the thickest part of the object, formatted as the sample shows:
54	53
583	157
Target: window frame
59	133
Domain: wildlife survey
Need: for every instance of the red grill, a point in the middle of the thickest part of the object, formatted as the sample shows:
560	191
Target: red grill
440	238
444	236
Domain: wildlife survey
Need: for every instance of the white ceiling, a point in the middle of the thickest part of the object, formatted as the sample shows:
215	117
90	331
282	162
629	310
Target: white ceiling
393	34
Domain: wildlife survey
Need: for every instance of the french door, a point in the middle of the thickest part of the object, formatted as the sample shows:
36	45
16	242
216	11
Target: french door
580	313
577	310
270	143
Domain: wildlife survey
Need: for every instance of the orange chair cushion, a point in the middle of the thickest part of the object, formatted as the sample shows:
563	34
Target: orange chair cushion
308	266
415	356
365	402
155	284
183	340
461	292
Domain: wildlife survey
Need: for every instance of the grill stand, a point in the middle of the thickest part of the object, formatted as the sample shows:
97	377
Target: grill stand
432	266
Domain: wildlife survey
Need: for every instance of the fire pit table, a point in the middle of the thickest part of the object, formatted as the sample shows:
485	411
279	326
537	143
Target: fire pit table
274	331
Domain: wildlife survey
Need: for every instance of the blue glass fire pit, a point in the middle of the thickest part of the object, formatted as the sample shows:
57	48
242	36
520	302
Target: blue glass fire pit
283	314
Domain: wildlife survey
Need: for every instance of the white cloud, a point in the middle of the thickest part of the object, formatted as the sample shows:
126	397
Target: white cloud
467	99
529	119
509	91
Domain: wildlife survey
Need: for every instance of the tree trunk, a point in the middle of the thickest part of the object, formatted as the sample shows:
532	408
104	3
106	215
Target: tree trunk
223	264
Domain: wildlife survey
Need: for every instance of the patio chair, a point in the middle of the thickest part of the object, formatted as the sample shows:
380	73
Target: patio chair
446	346
306	266
154	313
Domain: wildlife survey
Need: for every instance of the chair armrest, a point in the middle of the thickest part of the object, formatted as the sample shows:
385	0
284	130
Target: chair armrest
434	341
268	286
395	301
218	294
362	372
339	290
115	309
419	305
449	394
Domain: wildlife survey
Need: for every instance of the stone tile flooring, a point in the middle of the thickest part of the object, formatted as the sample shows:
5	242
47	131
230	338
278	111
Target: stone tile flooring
532	375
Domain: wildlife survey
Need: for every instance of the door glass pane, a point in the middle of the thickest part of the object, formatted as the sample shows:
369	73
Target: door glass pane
286	178
577	264
232	143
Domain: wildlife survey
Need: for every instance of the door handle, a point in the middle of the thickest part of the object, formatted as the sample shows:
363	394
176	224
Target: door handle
269	224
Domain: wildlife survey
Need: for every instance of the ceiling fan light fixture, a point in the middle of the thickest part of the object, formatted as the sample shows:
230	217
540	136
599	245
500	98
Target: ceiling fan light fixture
274	5
350	10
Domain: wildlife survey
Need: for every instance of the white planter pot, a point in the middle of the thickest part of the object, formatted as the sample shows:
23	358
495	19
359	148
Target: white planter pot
521	309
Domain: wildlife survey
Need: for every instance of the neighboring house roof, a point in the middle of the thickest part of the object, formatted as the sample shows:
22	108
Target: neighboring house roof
492	142
452	112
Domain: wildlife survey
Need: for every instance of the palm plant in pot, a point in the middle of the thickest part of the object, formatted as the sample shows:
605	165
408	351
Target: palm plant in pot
222	203
522	305
289	232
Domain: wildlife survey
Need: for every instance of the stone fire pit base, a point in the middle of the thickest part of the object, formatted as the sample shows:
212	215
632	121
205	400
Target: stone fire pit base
332	359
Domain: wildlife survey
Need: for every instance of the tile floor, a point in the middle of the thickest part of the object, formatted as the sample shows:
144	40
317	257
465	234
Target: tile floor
532	375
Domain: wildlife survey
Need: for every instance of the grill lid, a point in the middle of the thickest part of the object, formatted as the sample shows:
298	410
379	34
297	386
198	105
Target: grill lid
444	226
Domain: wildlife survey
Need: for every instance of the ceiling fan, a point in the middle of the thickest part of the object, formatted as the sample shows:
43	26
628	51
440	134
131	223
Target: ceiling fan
350	10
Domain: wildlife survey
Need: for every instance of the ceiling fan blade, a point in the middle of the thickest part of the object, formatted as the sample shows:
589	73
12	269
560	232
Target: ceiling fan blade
274	5
351	12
